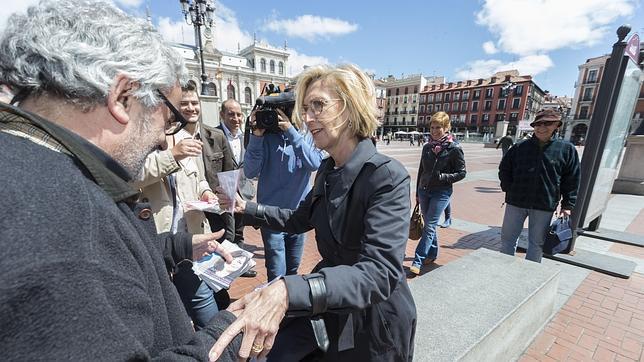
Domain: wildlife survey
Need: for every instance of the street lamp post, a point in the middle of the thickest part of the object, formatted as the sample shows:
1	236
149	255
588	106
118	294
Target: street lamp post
199	13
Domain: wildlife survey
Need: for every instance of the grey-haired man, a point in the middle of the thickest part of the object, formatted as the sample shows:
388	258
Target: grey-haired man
84	272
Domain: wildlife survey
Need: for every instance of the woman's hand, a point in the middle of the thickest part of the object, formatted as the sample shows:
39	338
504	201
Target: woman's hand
225	201
206	244
261	313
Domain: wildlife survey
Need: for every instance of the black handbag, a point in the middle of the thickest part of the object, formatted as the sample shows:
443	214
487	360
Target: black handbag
559	236
416	224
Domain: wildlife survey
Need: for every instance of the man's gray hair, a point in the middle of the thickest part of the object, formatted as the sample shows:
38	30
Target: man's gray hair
73	49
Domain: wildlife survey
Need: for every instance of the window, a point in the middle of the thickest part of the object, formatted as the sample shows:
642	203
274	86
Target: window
457	96
474	118
422	108
514	116
464	107
405	99
397	91
414	98
489	93
592	76
272	66
588	94
486	117
262	65
395	121
396	100
406	90
438	107
388	92
446	97
248	97
415	89
466	95
430	108
403	121
501	105
583	112
475	106
422	98
430	98
477	94
518	90
446	107
488	105
455	107
230	91
500	117
281	68
516	102
211	89
413	120
439	97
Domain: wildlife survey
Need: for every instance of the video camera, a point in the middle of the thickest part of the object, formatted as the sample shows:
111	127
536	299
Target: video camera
266	106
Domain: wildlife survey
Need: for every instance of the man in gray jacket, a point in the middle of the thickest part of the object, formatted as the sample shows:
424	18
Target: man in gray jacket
85	276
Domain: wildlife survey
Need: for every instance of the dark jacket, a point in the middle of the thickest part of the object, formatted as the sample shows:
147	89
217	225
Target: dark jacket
535	177
361	222
442	170
83	275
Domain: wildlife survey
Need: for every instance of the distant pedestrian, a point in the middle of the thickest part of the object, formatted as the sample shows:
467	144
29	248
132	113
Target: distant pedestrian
411	140
537	175
505	143
442	163
421	140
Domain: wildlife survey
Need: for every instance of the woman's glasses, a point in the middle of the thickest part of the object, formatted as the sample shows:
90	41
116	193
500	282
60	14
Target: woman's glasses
177	122
317	106
544	123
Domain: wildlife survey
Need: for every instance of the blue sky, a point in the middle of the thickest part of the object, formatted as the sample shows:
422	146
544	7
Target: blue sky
458	39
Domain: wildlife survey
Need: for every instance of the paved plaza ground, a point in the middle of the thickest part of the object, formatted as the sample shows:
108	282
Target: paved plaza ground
599	317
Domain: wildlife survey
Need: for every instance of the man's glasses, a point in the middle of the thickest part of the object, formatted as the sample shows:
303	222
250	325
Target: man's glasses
544	123
317	106
179	120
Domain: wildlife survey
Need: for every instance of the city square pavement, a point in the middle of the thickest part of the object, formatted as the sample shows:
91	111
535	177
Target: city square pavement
599	317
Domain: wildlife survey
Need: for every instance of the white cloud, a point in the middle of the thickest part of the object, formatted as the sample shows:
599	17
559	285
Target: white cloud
311	27
130	3
489	47
531	64
527	27
176	31
297	62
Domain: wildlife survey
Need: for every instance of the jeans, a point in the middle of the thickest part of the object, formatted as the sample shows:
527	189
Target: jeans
538	225
197	297
283	252
432	205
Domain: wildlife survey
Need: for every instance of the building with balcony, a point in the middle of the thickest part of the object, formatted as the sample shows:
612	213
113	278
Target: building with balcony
477	105
402	101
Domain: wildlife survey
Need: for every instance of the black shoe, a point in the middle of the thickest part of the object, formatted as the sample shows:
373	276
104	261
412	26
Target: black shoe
249	274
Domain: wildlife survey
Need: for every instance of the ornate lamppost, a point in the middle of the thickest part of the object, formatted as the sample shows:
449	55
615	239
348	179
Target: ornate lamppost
199	13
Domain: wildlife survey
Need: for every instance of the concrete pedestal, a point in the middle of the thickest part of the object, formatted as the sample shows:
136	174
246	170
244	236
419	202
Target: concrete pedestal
501	129
631	175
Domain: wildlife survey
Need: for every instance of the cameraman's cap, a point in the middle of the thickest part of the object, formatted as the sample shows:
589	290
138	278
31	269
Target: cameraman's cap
547	115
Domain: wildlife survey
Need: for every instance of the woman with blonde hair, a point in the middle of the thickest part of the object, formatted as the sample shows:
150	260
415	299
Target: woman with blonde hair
355	305
442	163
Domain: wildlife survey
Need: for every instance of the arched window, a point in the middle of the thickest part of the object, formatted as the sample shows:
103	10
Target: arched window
272	66
211	89
248	98
230	92
262	65
281	68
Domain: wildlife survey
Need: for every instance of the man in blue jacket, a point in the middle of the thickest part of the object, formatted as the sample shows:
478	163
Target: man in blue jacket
536	174
283	163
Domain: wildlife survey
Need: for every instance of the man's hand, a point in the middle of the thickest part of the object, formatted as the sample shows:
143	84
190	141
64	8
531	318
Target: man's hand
186	148
206	244
259	320
225	201
209	197
564	213
253	123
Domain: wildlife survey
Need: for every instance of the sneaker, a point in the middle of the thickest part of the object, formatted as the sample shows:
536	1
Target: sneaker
414	269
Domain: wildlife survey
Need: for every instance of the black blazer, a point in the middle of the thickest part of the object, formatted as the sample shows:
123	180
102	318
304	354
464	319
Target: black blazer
440	170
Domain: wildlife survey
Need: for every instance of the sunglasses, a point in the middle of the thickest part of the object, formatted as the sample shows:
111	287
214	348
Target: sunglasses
544	123
179	121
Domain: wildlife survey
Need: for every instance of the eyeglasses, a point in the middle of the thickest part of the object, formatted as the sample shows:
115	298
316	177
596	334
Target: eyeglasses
317	106
544	124
179	120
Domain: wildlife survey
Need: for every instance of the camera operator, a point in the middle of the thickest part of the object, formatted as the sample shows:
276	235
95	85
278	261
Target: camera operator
283	162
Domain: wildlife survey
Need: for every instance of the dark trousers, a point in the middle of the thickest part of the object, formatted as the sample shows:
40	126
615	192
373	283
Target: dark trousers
224	221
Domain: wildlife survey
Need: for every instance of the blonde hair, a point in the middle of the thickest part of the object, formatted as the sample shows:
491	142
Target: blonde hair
442	119
355	89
